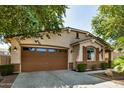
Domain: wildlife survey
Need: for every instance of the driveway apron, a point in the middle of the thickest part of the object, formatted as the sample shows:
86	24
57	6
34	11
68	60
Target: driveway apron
55	79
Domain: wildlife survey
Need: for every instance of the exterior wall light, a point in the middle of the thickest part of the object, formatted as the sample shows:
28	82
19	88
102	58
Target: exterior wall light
15	49
71	51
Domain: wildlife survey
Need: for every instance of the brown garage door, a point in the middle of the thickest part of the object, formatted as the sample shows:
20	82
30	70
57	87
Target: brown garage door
43	59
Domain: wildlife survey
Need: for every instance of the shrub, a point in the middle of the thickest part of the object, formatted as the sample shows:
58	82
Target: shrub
109	64
104	65
6	69
81	67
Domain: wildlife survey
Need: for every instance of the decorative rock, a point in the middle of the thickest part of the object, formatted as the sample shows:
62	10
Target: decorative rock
109	72
1	77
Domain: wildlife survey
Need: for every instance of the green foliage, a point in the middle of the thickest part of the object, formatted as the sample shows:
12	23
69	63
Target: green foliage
121	40
104	66
120	49
29	21
109	22
6	69
120	43
118	64
81	67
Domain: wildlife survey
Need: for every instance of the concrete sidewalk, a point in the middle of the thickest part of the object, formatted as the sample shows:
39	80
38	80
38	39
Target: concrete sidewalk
97	71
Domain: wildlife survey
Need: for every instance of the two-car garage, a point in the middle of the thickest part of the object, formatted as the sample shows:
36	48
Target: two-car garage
43	59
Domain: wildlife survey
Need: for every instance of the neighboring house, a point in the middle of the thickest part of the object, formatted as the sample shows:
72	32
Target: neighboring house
4	51
117	54
4	56
73	47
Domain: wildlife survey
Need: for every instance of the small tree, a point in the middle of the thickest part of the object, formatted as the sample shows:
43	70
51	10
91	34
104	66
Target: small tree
120	44
118	64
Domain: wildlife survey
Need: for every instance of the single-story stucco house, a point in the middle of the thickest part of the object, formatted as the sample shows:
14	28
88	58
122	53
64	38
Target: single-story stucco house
58	52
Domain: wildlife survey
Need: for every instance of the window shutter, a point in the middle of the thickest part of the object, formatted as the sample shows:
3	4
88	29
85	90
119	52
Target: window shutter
97	54
84	54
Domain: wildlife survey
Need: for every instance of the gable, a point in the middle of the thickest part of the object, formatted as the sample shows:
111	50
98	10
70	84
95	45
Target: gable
67	38
92	42
64	40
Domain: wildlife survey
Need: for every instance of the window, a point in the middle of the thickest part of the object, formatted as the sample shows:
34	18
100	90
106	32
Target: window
52	50
61	50
56	50
41	49
28	49
91	54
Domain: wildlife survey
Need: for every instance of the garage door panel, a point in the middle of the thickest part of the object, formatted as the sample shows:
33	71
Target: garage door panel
41	61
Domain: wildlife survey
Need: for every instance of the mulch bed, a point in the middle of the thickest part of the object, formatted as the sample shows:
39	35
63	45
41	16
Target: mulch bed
0	80
117	77
7	81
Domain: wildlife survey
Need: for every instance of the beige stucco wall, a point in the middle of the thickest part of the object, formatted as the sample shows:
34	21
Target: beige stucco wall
90	43
75	55
64	40
15	55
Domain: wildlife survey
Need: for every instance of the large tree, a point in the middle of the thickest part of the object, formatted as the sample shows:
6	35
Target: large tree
109	22
29	21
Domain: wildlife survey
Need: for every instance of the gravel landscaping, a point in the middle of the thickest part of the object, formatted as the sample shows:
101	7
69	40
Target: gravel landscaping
117	77
7	81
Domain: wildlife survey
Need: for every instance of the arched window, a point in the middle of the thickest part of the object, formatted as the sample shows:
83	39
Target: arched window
91	53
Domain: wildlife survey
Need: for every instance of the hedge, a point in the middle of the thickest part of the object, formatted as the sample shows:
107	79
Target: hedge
104	65
81	67
6	69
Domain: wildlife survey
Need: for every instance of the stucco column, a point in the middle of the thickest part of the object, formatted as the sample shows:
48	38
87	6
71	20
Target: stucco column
16	55
109	61
103	55
79	54
69	58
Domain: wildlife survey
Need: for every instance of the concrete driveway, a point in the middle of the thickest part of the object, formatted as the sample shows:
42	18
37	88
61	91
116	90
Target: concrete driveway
59	79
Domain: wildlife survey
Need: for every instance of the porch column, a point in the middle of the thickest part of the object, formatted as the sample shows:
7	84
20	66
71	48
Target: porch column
109	60
84	54
97	54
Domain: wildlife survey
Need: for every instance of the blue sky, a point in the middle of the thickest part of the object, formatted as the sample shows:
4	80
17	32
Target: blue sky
78	16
